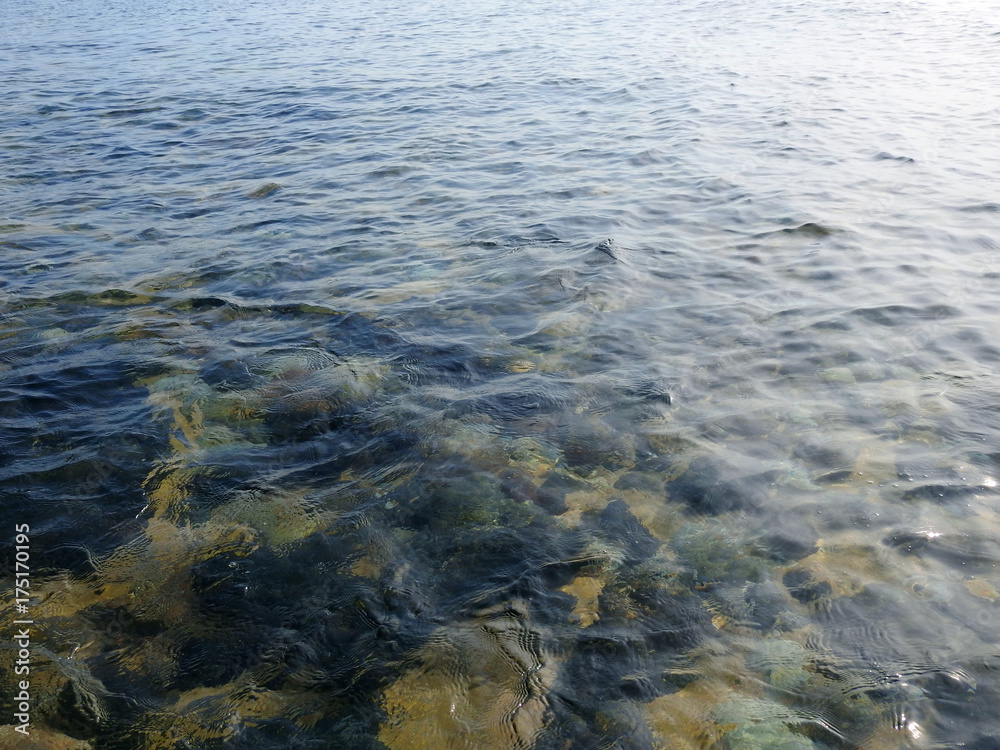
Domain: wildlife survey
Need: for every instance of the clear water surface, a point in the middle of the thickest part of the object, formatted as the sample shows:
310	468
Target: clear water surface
502	376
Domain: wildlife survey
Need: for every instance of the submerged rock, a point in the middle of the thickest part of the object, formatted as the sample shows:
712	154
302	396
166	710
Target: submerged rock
771	607
782	663
264	190
585	590
755	724
642	620
40	739
477	685
641	480
823	453
474	440
517	485
590	444
277	517
683	720
718	553
711	485
618	526
535	458
804	587
788	537
313	390
552	494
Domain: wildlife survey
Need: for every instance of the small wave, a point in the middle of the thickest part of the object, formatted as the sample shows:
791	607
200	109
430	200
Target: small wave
886	156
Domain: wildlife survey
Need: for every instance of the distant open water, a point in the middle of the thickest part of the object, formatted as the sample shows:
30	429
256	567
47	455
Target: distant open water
476	375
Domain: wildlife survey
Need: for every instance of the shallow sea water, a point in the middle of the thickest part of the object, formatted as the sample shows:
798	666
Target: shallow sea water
477	376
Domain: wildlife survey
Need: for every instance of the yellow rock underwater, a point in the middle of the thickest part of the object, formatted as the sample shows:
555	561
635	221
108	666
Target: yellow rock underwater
478	685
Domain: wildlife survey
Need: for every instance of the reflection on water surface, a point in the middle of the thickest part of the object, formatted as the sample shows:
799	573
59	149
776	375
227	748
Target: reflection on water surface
493	378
